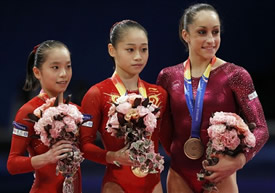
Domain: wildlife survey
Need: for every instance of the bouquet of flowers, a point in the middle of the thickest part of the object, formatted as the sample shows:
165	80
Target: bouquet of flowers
134	118
55	122
228	134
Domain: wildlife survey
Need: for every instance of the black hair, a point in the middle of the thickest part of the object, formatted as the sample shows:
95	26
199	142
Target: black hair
36	58
189	14
118	29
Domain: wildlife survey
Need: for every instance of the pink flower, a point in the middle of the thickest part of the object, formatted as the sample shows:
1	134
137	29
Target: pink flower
38	128
122	99
49	103
58	125
112	110
72	111
142	111
70	122
230	139
216	130
250	140
113	121
44	138
124	107
50	113
217	144
150	122
221	117
152	107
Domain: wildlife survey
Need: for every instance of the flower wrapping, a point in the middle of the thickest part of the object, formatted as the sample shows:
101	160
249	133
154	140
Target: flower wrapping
228	134
60	122
134	118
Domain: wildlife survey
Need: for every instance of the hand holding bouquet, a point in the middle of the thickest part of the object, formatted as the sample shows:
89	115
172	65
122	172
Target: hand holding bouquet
134	118
55	122
228	134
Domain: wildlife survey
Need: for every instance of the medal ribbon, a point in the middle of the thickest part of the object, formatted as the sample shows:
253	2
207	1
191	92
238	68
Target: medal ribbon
195	107
121	88
43	95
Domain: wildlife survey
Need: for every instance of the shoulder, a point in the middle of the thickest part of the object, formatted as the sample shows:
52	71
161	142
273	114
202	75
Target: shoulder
29	107
235	71
97	88
21	123
238	76
168	71
96	95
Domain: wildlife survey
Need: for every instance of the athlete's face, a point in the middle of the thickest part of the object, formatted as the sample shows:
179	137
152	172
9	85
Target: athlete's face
203	36
131	52
56	72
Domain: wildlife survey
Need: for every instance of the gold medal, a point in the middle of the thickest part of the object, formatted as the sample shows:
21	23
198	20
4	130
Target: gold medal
138	172
193	148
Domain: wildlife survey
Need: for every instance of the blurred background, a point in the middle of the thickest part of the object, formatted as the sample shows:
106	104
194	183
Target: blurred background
247	40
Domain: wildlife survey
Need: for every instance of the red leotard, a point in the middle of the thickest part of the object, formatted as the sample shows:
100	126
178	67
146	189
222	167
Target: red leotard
46	180
97	102
229	89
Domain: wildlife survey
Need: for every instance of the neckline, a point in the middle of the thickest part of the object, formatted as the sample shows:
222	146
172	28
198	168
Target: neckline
212	71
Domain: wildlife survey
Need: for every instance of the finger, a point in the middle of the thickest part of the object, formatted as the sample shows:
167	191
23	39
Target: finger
62	156
116	163
205	163
126	153
124	148
128	163
62	146
64	153
212	177
63	142
218	179
211	168
59	150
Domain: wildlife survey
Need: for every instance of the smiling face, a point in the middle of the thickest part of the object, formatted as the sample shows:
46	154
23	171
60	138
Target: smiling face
203	35
131	52
56	72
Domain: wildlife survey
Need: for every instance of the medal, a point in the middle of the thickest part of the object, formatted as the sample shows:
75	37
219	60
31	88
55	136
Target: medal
193	148
138	172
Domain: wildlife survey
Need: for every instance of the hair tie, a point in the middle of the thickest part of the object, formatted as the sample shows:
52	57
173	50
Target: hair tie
35	48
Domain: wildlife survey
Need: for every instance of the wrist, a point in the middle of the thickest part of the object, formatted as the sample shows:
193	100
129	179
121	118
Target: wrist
110	157
241	160
40	161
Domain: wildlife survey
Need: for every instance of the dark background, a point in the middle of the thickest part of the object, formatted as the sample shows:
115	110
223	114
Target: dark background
247	40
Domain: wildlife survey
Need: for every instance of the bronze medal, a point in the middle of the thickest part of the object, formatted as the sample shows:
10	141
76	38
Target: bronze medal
193	148
138	172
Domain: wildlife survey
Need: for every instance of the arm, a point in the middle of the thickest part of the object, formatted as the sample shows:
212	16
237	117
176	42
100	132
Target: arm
166	126
250	106
91	104
251	109
21	138
18	163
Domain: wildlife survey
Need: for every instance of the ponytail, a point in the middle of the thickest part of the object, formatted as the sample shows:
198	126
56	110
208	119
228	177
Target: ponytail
31	83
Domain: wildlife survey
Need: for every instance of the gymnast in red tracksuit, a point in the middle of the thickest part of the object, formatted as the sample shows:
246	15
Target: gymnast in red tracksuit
229	88
50	65
129	49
